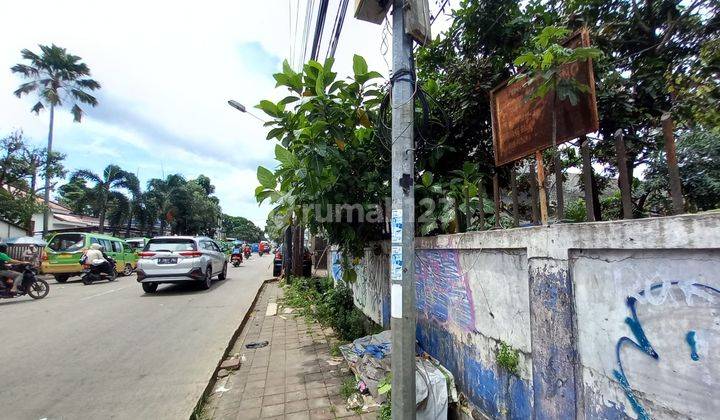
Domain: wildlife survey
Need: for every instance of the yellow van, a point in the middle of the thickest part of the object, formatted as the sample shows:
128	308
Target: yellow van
64	250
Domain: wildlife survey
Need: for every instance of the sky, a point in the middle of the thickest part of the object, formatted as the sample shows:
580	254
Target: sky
167	70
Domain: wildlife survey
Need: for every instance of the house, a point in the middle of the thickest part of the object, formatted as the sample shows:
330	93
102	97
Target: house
10	230
62	218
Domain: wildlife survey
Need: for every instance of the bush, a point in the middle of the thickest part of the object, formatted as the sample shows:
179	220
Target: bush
575	211
317	299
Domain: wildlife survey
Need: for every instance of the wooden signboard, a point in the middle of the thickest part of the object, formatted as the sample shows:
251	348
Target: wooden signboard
522	127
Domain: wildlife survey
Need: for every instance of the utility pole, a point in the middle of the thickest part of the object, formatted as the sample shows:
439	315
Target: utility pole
402	258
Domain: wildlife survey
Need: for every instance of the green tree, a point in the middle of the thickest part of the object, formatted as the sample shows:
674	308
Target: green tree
105	189
241	228
19	168
328	152
57	77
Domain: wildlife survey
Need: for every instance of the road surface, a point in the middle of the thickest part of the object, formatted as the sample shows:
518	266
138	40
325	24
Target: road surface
110	351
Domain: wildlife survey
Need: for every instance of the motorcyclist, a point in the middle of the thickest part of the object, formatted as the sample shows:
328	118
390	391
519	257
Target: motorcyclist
96	252
7	274
236	249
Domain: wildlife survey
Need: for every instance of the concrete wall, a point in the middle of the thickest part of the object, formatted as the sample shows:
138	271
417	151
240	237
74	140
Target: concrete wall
8	230
611	319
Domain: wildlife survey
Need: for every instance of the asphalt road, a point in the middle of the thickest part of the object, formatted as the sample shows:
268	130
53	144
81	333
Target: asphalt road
110	351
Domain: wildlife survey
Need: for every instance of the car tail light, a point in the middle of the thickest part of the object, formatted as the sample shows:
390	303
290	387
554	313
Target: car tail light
191	254
146	254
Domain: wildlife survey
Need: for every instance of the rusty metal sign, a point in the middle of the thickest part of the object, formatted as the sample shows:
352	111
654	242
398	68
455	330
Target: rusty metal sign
521	126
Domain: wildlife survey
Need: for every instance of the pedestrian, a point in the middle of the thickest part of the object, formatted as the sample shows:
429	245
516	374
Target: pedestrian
32	256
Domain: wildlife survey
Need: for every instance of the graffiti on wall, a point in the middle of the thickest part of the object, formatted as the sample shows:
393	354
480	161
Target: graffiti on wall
675	294
442	289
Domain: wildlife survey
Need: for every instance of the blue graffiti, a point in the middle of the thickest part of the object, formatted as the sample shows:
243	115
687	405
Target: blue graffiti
690	338
643	344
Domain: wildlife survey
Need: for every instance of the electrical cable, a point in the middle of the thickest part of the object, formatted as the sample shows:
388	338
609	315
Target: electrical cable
319	27
337	29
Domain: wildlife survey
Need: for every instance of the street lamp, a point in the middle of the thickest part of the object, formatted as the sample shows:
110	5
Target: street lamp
240	107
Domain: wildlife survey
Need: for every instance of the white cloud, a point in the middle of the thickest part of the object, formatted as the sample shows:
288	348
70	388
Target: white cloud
167	69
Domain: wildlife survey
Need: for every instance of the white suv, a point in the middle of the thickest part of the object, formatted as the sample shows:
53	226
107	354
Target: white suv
178	259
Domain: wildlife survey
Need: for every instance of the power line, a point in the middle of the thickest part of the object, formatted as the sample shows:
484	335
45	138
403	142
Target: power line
337	28
306	31
319	26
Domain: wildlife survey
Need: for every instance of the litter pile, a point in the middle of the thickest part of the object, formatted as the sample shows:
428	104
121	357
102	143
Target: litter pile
369	359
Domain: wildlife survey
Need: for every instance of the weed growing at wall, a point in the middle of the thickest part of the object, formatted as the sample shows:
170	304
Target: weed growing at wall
317	300
508	358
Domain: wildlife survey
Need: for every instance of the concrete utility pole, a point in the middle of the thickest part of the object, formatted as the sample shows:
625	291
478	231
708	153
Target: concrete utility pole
402	258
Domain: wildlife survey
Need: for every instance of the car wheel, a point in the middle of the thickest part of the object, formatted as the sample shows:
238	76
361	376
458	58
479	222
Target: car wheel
223	274
149	287
61	278
207	281
127	270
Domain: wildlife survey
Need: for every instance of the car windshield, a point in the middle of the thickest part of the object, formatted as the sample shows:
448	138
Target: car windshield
170	245
67	242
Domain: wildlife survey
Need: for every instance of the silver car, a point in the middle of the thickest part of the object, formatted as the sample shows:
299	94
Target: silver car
179	259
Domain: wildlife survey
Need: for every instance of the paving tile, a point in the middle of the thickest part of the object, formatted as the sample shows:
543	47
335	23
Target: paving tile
255	384
251	403
295	396
272	410
247	414
253	392
322	413
277	389
319	402
295	406
317	393
295	387
273	399
314	384
301	415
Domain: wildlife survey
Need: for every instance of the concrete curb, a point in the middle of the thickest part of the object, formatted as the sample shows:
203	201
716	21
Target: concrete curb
213	378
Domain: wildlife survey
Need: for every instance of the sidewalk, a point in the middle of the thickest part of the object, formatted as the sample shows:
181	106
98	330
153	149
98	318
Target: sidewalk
293	377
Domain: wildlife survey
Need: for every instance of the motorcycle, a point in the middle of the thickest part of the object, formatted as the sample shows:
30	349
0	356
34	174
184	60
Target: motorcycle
31	285
247	254
236	259
97	270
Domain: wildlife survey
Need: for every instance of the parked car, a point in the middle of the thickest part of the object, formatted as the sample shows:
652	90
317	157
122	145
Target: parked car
278	262
180	259
137	244
62	254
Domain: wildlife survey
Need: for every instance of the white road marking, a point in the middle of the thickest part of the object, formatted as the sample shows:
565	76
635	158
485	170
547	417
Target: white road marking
103	293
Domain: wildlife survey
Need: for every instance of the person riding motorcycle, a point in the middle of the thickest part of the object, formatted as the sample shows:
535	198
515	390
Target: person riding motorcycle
236	249
7	274
96	252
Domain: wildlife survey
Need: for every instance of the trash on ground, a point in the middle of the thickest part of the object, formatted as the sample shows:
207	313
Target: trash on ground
355	401
271	309
256	344
370	357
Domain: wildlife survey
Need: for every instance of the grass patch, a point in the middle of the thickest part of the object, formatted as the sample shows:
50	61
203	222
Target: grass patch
317	299
348	387
508	358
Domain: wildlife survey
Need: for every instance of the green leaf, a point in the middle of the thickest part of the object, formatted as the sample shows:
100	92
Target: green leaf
427	178
266	177
360	66
269	108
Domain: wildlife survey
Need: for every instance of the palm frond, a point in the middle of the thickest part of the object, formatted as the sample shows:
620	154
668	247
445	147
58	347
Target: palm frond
25	70
83	97
88	84
38	107
77	113
26	88
87	175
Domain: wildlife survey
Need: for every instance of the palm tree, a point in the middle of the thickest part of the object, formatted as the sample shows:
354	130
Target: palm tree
164	194
57	77
113	178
